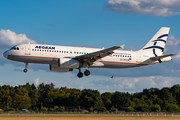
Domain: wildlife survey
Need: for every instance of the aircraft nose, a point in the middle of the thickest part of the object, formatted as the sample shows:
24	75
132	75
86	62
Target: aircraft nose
5	54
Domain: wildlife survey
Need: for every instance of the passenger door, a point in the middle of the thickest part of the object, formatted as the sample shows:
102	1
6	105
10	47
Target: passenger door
138	58
27	49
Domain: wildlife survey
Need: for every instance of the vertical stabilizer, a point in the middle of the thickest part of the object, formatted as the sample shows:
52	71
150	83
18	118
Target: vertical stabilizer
157	43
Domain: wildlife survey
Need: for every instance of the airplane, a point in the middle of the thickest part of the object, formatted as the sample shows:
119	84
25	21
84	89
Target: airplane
67	58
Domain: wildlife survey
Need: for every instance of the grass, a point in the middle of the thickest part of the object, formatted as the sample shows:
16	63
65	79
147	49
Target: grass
84	117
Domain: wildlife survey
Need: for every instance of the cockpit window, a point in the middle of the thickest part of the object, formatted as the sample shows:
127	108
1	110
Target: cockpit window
14	48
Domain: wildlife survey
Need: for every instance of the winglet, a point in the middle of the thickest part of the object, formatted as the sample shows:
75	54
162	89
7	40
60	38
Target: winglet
122	46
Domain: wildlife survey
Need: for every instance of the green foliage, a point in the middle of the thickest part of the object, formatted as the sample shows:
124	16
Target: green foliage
130	109
173	108
74	109
120	99
51	109
61	109
113	109
49	98
91	98
44	109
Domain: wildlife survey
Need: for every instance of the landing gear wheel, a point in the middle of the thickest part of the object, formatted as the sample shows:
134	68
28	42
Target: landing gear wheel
87	73
80	75
25	70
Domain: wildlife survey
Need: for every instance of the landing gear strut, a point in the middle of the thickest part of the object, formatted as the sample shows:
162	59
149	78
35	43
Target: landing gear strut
86	73
25	70
80	74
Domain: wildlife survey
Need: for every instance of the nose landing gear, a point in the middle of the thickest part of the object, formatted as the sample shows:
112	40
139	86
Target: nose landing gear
25	70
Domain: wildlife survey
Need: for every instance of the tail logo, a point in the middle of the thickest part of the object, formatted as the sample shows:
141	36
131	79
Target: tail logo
155	42
157	47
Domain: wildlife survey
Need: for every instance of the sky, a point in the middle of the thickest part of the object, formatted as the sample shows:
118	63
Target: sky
93	23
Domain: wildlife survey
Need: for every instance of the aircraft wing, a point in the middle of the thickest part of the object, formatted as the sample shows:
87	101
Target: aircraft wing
92	57
162	56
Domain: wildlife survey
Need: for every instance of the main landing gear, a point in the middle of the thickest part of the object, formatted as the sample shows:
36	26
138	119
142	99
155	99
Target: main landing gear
86	73
25	70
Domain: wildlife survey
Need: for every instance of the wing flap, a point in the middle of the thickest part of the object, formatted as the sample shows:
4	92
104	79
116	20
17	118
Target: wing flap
92	57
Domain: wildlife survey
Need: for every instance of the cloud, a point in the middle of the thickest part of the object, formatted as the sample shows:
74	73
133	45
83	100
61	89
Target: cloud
134	84
36	81
173	44
9	38
151	7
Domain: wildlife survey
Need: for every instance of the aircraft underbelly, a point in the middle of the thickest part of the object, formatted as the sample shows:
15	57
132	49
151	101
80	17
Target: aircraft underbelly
33	59
118	65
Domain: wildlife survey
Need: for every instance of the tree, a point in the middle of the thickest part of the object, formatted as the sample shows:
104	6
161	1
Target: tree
120	100
175	90
130	109
21	102
74	96
106	98
5	98
173	108
91	98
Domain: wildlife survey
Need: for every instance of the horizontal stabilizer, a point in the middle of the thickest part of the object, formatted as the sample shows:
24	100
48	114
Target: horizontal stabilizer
161	57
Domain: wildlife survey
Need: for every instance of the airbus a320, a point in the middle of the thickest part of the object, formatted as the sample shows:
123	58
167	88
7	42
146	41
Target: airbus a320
67	58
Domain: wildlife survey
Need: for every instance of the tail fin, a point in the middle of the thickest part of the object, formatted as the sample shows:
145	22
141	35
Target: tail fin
157	42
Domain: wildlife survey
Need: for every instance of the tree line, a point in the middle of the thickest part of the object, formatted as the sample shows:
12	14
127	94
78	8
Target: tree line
45	97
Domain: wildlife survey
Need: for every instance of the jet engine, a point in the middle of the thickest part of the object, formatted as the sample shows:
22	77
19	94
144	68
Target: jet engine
58	69
68	63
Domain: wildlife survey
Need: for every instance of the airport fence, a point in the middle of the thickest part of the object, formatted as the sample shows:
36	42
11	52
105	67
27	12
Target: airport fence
116	112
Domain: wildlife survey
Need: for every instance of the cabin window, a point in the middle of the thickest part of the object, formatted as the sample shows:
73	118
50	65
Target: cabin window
32	49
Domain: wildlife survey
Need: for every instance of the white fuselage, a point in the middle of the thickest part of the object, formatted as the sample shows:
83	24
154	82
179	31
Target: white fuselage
49	54
66	58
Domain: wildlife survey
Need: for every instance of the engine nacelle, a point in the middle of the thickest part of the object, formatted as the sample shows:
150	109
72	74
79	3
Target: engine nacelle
68	63
58	69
